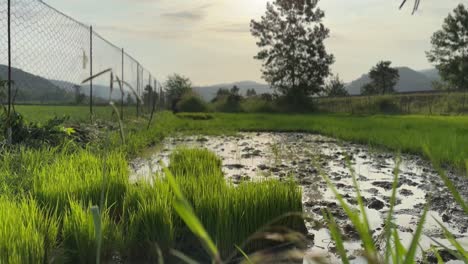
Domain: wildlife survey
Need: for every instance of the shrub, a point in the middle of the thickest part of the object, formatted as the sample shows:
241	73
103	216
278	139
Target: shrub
258	104
192	103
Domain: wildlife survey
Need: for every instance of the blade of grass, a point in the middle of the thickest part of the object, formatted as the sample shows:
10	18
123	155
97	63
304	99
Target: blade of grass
244	254
389	224
183	257
97	231
336	235
411	254
451	238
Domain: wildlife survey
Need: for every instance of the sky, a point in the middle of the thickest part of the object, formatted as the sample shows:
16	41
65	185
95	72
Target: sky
209	40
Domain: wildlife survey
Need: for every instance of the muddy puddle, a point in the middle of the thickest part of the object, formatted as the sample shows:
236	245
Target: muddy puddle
254	156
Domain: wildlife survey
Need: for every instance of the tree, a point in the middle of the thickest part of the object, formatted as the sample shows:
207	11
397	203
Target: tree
222	93
291	38
176	87
235	90
384	78
130	100
251	93
450	48
148	96
368	89
79	95
336	87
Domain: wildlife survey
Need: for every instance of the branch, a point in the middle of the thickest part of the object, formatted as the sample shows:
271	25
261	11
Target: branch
415	7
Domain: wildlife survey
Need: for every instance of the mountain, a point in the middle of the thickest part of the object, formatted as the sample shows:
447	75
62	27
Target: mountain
34	89
410	81
209	92
99	91
432	74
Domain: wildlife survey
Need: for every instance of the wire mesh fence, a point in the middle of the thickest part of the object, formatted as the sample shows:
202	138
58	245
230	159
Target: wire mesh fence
52	54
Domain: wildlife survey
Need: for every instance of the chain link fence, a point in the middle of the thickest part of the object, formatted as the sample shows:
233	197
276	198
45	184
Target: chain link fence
52	55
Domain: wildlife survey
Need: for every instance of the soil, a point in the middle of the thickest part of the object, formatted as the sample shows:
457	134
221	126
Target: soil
256	156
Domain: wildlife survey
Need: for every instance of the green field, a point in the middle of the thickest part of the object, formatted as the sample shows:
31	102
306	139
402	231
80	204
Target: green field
76	113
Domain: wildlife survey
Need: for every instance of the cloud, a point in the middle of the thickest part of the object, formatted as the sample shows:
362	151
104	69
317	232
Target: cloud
194	14
144	32
230	28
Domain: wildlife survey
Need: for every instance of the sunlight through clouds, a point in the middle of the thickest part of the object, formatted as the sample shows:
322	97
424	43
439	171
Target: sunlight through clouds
209	40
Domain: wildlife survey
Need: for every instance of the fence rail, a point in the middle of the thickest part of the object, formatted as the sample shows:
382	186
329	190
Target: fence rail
45	55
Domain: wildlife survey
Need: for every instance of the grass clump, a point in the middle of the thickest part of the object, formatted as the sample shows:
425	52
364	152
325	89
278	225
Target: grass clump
82	176
79	234
231	214
150	220
27	233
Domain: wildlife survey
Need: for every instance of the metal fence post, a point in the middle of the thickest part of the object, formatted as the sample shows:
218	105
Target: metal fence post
91	72
9	131
122	92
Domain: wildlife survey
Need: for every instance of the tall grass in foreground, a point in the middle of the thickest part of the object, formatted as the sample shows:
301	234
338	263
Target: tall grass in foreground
82	176
27	234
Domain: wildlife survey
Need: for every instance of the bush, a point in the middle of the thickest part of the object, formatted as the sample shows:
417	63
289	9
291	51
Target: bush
387	105
258	104
195	116
192	103
228	104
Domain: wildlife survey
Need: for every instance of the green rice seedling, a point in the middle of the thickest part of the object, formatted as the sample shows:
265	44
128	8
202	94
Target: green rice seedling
231	214
79	234
186	213
27	234
80	176
195	163
149	220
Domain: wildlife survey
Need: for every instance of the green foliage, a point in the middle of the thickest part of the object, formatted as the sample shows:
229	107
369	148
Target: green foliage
291	38
80	237
191	103
52	132
176	87
81	176
336	88
449	52
195	116
27	233
150	220
383	79
231	214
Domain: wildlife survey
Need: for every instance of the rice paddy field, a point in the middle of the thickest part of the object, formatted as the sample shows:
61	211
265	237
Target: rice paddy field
75	203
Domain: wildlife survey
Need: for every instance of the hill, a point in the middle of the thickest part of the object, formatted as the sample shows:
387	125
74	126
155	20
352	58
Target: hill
410	81
209	92
35	89
99	91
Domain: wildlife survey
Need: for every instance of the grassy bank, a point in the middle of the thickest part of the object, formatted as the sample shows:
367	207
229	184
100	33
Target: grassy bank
445	137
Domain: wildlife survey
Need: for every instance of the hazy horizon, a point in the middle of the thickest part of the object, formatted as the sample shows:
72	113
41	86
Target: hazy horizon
209	41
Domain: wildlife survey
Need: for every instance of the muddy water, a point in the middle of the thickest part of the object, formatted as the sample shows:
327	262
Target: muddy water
254	156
